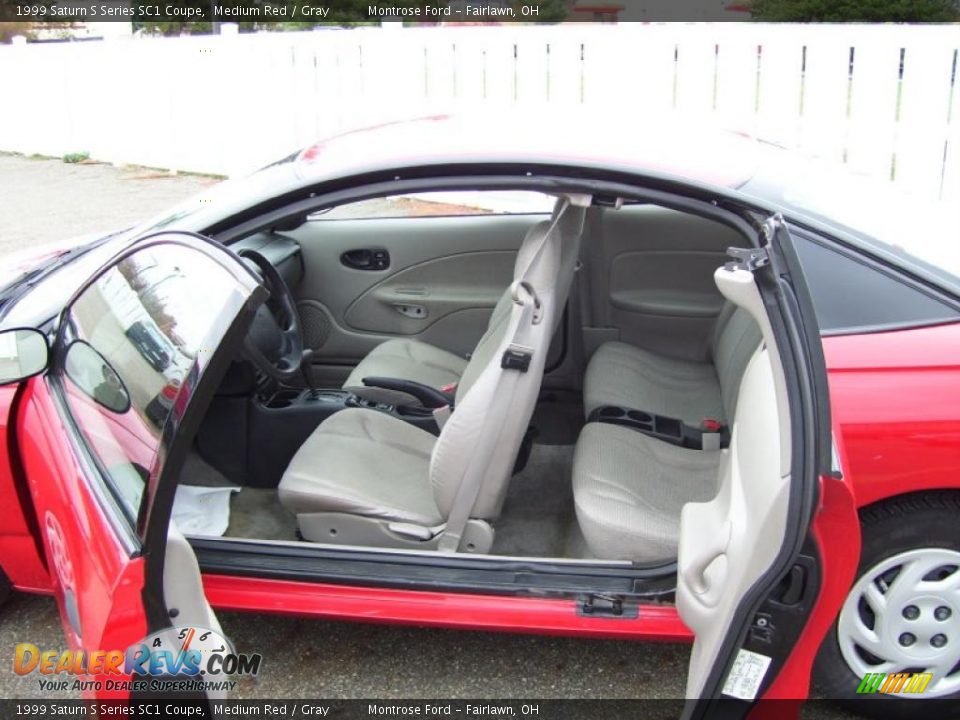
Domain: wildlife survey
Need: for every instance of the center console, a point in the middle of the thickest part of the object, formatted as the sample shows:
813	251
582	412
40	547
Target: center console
281	422
711	436
319	404
251	439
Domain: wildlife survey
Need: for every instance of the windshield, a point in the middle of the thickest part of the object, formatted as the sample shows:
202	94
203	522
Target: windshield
920	232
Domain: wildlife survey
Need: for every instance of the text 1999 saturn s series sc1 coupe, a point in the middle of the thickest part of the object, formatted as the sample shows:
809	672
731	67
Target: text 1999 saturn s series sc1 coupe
650	383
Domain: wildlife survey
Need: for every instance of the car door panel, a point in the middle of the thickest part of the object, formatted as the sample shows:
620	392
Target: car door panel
651	278
454	267
437	288
740	552
95	453
96	580
731	540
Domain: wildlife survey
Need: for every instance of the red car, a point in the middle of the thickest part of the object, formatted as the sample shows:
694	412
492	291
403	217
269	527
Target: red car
655	383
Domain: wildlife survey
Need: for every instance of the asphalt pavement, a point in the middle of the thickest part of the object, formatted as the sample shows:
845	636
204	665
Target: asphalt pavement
44	200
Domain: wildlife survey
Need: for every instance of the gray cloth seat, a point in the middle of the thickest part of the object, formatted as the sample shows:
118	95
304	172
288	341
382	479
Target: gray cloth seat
627	376
385	460
409	359
629	488
367	478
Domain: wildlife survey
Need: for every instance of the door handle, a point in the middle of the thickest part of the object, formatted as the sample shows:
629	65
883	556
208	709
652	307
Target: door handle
366	259
418	312
704	566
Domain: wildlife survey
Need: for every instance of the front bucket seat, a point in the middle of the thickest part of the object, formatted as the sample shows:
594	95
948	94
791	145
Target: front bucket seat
367	478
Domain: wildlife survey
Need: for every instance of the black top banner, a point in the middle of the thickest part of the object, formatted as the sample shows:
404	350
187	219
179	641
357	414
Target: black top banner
305	14
172	17
349	12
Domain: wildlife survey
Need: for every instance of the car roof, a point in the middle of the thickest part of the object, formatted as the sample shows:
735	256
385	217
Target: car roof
670	145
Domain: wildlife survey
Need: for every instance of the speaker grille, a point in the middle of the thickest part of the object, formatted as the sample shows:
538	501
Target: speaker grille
315	323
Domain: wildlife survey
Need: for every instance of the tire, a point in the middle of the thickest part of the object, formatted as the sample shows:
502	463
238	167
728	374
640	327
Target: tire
914	540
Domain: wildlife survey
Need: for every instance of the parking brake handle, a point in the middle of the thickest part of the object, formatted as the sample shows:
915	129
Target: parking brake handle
430	397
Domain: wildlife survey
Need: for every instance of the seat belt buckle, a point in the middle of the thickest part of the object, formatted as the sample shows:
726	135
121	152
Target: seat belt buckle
441	415
516	357
449	388
711	435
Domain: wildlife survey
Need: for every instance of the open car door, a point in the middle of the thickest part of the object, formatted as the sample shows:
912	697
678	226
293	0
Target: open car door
754	582
102	435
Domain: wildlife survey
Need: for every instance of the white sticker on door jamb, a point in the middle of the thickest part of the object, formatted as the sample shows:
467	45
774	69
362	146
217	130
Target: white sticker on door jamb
746	675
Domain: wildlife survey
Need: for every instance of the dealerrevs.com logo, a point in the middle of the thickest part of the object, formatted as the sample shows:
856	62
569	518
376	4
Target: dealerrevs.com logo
184	659
894	683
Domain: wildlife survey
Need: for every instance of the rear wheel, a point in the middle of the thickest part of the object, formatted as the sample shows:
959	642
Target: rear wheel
903	612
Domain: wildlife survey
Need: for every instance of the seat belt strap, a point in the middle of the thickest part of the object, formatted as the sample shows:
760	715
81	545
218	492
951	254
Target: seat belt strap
524	316
516	356
541	242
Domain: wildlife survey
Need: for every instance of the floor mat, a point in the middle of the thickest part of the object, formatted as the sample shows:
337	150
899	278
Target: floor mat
538	515
255	513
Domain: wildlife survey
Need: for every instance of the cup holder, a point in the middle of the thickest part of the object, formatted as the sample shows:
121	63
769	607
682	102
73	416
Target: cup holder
283	399
665	428
623	416
611	413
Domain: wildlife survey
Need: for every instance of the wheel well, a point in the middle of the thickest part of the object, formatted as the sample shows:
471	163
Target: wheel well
948	499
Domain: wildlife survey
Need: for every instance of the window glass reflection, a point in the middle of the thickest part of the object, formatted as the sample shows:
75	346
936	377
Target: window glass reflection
134	338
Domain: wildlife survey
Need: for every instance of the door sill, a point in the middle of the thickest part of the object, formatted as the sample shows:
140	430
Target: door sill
431	570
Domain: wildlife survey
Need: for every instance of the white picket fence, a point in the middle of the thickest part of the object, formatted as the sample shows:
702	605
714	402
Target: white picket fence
883	99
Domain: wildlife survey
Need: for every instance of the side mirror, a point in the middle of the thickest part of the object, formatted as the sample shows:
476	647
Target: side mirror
23	353
95	377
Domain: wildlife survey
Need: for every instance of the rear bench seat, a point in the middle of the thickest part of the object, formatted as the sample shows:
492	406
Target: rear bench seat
626	376
628	487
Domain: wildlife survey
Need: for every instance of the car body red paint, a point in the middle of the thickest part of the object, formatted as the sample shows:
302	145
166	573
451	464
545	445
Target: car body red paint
896	400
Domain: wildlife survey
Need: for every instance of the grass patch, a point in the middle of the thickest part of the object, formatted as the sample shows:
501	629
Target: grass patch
77	157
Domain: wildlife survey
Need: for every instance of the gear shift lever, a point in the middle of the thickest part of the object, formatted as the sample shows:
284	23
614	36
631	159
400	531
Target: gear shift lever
306	360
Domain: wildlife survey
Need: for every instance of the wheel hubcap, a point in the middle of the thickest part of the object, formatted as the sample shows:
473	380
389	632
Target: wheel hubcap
901	616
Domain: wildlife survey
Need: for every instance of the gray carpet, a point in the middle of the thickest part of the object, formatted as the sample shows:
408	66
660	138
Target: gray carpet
254	512
538	517
257	513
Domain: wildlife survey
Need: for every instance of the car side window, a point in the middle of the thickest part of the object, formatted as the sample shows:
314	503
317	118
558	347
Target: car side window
130	343
442	204
880	300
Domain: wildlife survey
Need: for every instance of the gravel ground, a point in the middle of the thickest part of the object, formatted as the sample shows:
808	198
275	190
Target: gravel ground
45	200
